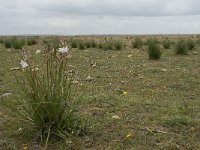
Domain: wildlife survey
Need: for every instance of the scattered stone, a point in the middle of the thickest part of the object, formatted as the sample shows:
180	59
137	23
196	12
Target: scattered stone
5	94
93	65
37	52
89	78
164	70
14	68
116	117
129	56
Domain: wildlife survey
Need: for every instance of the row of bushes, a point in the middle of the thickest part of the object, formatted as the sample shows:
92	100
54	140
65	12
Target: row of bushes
17	43
181	47
108	45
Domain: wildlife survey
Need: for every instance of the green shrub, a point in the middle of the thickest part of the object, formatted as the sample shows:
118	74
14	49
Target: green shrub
1	40
137	43
7	43
166	43
107	46
81	45
118	45
45	104
87	44
74	44
93	44
190	44
31	42
18	44
100	45
181	47
154	50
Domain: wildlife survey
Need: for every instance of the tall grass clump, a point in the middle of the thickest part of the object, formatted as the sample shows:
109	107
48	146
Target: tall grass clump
31	42
81	45
93	44
18	43
8	43
74	44
154	50
118	45
1	41
190	44
137	43
87	44
100	45
107	46
166	43
45	103
181	47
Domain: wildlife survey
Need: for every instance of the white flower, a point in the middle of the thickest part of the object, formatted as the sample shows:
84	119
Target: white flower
37	52
23	64
63	50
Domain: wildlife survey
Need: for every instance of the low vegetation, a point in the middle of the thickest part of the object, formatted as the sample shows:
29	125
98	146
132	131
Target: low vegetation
100	97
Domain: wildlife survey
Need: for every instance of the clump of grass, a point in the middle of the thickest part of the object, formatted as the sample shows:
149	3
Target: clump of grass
107	46
137	43
46	106
1	41
93	44
118	45
100	45
190	44
181	47
8	43
87	44
81	45
154	50
74	44
166	43
18	44
31	42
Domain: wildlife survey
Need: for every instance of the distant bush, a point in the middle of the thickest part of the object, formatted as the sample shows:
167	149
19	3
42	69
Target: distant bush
181	47
107	46
166	43
93	44
100	45
18	44
87	44
7	43
118	45
1	40
31	42
137	43
74	44
154	50
81	45
190	44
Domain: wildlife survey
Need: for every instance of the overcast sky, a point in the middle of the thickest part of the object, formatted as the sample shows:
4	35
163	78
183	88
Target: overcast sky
99	17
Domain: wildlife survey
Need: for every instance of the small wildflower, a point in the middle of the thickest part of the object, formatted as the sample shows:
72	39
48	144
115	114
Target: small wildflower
89	78
128	135
37	52
25	147
192	129
63	50
24	64
125	93
115	117
20	129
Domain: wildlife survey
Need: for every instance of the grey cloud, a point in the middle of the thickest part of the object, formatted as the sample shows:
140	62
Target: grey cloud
99	16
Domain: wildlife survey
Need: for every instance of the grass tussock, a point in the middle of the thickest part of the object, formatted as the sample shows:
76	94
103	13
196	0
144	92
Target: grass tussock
154	50
181	47
137	43
45	101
